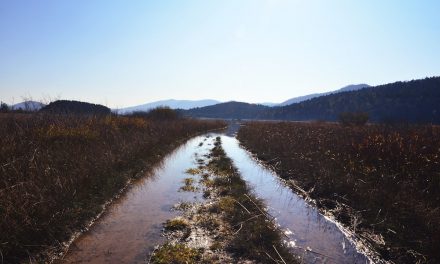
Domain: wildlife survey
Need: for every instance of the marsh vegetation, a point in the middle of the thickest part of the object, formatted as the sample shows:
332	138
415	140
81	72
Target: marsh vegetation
58	170
380	181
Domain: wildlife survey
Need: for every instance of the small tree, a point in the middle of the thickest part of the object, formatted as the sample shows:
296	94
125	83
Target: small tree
163	113
4	108
353	118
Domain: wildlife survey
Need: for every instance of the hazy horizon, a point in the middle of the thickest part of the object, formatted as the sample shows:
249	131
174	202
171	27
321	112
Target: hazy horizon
121	54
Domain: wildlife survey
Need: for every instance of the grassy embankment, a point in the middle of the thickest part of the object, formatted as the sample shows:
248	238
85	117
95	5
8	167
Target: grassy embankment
237	227
57	172
382	182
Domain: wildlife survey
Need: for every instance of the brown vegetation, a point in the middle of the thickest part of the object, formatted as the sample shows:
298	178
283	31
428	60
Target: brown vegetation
257	237
57	171
383	182
158	113
353	119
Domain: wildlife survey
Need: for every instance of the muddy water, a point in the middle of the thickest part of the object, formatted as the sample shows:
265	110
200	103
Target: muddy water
132	226
312	236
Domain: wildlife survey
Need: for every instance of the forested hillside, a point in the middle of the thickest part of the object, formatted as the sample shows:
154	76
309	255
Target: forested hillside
416	101
230	110
75	107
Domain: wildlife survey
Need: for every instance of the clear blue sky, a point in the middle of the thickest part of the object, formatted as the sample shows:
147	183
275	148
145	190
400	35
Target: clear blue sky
123	53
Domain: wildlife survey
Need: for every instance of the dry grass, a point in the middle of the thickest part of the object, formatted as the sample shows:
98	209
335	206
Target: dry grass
57	171
256	235
376	179
176	254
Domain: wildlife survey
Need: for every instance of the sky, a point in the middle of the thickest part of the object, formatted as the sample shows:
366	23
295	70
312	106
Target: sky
124	53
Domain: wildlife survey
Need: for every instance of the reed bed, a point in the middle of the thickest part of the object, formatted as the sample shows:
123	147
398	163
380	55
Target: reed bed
56	172
383	182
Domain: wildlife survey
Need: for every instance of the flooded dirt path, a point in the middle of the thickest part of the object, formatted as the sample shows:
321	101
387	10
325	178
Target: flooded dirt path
132	226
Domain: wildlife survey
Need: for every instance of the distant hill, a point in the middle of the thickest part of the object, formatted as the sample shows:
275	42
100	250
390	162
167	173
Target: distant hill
416	101
230	110
28	106
269	104
173	104
75	107
347	88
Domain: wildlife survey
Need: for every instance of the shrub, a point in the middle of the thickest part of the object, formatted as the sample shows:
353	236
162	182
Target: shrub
159	113
4	108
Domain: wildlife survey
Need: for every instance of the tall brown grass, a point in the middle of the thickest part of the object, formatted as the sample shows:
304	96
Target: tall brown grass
57	171
379	180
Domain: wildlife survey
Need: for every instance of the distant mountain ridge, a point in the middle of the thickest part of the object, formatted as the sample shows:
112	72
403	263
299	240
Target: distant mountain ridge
28	106
189	104
230	110
352	87
172	103
416	101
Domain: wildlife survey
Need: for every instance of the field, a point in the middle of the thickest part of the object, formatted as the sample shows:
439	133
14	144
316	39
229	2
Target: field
57	171
382	182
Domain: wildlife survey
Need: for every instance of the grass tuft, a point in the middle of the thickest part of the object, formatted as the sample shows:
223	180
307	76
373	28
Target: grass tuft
193	171
175	254
188	185
177	223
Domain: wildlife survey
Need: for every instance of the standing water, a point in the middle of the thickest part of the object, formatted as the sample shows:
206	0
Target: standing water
132	226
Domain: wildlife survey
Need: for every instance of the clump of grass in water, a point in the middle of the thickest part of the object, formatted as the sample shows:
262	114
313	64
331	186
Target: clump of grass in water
193	171
182	206
177	223
206	181
188	185
176	254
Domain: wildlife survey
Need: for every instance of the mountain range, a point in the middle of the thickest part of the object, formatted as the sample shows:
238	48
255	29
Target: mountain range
28	106
174	104
416	101
188	104
352	87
